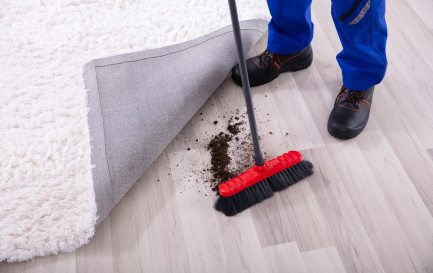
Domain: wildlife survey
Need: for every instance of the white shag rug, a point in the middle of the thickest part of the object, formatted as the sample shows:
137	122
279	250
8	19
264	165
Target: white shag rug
47	200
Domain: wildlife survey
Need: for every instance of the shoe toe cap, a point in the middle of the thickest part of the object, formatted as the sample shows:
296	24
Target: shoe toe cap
340	131
236	75
341	127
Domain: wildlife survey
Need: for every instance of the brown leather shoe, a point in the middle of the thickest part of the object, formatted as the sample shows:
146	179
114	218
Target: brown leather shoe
350	114
267	66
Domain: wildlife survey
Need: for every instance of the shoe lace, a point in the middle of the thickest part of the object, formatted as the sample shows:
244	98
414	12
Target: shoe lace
353	97
266	57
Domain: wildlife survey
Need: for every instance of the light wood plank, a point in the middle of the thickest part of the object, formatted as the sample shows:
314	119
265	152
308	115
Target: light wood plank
405	143
214	242
319	97
349	234
241	244
125	235
161	233
430	151
321	14
310	227
6	267
324	260
415	224
58	263
272	222
375	213
411	72
422	9
148	228
284	258
405	15
291	113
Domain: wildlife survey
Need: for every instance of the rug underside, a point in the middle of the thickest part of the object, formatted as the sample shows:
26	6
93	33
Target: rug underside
140	101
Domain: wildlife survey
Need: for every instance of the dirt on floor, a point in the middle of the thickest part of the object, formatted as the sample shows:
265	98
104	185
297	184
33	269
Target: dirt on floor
220	159
231	150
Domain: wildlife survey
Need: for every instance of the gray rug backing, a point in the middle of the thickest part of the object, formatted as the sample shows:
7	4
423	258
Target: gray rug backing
140	101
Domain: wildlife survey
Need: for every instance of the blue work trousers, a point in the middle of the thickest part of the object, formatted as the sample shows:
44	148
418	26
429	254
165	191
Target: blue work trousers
360	25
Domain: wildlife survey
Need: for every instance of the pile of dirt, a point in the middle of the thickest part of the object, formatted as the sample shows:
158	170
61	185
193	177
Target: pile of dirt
218	147
231	151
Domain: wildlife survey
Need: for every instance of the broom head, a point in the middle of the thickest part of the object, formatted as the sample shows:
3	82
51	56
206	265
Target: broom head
260	182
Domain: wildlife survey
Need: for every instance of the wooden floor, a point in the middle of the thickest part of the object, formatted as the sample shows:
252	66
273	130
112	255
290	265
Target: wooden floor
368	207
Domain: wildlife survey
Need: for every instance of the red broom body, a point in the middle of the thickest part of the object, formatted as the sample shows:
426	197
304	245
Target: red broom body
256	174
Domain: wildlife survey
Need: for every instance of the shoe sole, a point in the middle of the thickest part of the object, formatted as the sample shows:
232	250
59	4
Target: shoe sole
342	136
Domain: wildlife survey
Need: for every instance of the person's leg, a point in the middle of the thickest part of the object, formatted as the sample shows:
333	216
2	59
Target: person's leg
362	30
290	29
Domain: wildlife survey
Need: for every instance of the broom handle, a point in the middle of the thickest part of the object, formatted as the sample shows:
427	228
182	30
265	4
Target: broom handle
258	157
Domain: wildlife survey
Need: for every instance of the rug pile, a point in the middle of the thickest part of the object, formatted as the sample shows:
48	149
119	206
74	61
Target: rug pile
47	193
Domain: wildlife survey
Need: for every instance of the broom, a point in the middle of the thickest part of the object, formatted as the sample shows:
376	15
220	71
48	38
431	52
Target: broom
265	177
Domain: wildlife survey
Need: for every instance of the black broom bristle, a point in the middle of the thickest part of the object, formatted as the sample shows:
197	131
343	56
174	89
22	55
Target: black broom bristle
290	176
264	189
244	199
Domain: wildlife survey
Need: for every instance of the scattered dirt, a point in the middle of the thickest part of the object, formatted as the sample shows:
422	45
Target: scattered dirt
234	129
230	149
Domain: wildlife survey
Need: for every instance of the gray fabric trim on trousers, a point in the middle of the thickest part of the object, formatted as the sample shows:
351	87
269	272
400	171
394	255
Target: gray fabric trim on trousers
140	101
361	14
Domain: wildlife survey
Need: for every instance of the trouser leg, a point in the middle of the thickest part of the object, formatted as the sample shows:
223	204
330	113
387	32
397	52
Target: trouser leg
290	29
362	30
